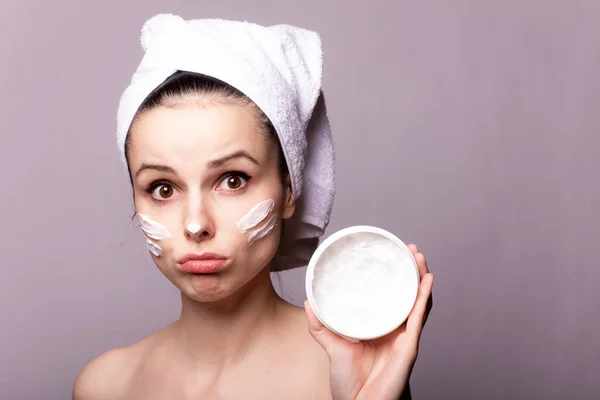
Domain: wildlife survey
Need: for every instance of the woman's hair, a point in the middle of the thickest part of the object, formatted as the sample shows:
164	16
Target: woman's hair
183	85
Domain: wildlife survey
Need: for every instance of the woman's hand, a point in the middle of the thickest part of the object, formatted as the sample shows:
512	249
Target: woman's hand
376	369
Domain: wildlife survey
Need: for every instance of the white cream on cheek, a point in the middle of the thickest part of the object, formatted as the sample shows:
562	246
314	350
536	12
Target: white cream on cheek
255	217
264	230
153	248
153	230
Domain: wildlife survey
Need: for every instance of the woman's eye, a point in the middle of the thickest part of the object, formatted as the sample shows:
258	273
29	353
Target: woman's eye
233	182
163	192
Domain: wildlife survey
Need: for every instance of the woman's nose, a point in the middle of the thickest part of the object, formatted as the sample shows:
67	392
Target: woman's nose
198	224
195	230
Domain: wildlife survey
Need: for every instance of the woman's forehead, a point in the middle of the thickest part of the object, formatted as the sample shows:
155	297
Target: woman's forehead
198	131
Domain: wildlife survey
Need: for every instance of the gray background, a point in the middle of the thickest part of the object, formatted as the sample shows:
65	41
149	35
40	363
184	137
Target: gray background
468	127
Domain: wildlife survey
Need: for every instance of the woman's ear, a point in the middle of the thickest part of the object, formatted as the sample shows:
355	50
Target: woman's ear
289	204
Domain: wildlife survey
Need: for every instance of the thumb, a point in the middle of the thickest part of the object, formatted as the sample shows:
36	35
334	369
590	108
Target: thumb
326	338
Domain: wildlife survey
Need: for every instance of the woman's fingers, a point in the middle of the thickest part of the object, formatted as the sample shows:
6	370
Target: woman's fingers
423	270
413	248
420	311
420	259
421	264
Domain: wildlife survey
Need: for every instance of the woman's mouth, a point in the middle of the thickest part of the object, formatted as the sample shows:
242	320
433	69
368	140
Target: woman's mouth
205	263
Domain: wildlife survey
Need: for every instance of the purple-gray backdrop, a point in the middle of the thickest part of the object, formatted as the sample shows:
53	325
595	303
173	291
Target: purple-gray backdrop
468	127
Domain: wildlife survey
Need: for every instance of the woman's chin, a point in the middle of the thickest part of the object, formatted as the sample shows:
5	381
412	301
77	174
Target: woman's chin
205	288
219	288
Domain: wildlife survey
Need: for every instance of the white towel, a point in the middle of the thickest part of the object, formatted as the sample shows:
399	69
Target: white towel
280	69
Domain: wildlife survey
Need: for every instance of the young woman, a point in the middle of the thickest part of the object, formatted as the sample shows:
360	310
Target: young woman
213	189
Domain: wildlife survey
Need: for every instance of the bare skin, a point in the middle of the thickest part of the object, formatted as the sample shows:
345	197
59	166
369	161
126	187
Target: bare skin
235	338
272	357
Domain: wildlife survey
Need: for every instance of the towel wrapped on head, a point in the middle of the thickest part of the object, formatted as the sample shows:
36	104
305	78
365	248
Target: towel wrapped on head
280	69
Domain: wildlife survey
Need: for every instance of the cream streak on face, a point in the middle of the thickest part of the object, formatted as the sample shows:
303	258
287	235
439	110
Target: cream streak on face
153	230
264	230
193	228
255	217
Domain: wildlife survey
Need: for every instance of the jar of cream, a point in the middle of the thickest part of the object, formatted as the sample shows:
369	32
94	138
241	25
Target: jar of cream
362	282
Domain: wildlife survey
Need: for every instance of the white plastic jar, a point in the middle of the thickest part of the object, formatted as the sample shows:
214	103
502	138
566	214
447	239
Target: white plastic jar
362	282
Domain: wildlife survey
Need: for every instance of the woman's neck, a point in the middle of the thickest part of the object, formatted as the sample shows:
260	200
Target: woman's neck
221	333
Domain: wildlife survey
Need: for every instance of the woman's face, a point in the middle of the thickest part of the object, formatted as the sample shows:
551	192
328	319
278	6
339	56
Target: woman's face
209	166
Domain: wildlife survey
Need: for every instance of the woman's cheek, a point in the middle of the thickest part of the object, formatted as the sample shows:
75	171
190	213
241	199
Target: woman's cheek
155	232
258	222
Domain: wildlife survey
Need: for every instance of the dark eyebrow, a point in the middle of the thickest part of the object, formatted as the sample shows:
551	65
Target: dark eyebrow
223	160
161	168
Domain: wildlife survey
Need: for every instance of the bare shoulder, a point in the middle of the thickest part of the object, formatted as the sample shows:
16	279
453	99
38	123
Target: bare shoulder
103	377
109	375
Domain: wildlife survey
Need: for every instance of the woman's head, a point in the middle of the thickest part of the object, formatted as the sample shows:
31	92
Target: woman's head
200	153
